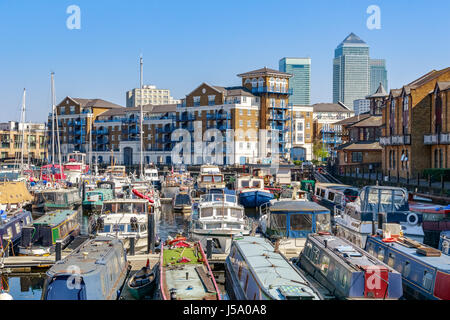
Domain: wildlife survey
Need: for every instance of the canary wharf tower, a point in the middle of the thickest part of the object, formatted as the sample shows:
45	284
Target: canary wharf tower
351	79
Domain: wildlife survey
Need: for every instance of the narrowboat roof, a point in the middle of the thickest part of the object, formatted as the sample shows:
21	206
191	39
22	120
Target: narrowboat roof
346	251
331	185
272	270
127	200
54	218
87	257
65	190
442	262
123	218
298	206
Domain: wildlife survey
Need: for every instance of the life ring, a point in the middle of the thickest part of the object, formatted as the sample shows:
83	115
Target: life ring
415	221
171	242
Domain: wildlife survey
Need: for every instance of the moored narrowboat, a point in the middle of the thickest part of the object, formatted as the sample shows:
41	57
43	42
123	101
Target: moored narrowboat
256	271
11	225
95	271
425	270
40	238
184	272
444	242
251	191
347	271
56	199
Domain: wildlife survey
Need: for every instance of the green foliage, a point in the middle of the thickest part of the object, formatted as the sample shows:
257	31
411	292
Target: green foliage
319	150
298	162
436	174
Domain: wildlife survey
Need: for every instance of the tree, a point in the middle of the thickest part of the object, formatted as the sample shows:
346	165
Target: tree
319	150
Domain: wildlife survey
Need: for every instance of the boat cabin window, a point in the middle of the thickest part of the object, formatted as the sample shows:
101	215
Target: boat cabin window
407	269
324	264
236	213
323	222
307	250
63	288
338	198
343	278
322	193
256	184
245	183
380	254
143	227
217	178
331	196
391	260
118	227
315	255
182	199
221	212
17	225
427	280
110	207
207	178
370	248
317	191
206	212
301	222
278	223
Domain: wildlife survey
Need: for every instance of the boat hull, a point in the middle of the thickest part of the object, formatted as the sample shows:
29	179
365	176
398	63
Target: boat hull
254	198
222	240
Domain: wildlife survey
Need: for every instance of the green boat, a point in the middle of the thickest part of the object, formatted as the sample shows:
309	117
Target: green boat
40	239
56	199
142	284
308	185
93	199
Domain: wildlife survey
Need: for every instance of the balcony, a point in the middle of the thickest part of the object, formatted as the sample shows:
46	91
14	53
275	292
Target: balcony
278	117
102	140
186	117
218	116
396	140
100	131
278	106
278	127
272	89
166	129
444	138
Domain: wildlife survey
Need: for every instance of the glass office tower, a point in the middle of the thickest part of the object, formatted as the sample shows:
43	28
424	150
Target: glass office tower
300	83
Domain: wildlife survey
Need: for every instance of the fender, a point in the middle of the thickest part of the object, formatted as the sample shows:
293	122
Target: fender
142	196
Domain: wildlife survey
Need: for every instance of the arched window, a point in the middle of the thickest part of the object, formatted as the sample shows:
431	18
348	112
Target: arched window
254	83
405	114
436	160
271	83
260	82
392	116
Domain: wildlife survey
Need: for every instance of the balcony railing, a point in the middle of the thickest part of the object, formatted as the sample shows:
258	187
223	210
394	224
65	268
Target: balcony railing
100	131
395	140
167	129
444	138
218	116
186	117
272	89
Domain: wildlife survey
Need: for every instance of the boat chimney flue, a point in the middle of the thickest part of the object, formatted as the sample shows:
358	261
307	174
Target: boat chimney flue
325	242
277	246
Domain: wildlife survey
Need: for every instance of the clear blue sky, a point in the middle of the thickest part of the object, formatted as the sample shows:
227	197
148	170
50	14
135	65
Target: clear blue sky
185	43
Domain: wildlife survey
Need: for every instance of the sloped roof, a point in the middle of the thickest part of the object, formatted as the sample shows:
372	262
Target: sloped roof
443	85
427	77
371	121
352	120
98	103
361	145
330	107
265	71
380	93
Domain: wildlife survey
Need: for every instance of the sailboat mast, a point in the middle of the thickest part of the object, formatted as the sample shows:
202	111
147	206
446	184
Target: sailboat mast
141	129
22	123
56	121
53	123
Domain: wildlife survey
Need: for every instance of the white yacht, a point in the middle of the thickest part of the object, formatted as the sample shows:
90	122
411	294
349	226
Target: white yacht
218	216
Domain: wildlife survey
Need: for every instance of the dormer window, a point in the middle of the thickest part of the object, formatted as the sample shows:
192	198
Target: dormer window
254	83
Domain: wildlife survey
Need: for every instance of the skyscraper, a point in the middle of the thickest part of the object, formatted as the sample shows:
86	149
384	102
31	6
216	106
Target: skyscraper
378	73
300	68
350	70
355	75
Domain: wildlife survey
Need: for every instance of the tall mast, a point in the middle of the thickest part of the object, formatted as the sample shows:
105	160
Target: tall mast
56	121
53	123
141	129
22	123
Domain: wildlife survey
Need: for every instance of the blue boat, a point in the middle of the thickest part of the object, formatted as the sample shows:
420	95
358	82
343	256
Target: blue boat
11	225
425	270
255	271
95	271
251	191
347	271
291	221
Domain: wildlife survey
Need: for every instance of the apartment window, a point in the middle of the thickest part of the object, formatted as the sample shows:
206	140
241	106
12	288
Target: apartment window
357	156
197	101
4	155
256	123
392	116
249	112
241	145
272	102
241	123
211	100
405	114
72	109
345	157
241	112
248	145
308	125
254	82
249	123
283	103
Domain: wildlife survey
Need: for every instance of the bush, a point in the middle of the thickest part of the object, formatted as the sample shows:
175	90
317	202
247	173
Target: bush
298	162
436	174
315	162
